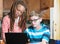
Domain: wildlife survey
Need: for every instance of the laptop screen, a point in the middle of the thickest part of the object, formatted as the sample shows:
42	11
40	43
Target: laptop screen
16	38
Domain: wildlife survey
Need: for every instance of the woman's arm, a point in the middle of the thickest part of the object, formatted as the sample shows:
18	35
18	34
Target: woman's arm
5	26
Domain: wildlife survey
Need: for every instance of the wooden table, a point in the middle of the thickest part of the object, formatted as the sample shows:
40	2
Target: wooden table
1	41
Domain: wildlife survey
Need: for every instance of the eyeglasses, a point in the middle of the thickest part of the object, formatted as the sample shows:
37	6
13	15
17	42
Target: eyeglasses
34	20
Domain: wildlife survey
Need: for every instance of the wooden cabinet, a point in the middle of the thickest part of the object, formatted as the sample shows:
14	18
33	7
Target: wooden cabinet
7	4
1	9
44	4
32	5
46	15
37	5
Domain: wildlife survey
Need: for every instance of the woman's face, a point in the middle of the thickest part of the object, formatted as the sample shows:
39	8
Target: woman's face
19	10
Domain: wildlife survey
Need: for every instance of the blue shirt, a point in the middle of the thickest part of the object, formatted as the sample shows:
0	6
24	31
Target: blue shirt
38	35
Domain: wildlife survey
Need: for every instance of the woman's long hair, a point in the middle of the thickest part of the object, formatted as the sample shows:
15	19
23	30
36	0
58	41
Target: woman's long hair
21	23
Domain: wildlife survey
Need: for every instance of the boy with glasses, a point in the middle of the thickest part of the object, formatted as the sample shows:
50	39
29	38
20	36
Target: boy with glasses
37	33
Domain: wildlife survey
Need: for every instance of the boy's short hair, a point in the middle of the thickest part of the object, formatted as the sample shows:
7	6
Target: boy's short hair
35	13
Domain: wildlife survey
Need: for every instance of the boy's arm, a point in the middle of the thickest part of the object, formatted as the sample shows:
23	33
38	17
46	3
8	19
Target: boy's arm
46	37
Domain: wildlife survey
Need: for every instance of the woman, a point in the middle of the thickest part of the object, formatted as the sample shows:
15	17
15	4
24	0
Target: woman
15	20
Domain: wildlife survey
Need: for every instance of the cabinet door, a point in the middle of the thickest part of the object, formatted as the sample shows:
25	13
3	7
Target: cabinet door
7	4
37	5
45	5
46	15
1	9
32	5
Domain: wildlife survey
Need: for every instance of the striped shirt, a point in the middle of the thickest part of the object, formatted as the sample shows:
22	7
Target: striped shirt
38	35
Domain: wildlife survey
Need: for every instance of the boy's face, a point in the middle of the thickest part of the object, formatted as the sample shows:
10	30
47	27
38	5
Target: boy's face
35	20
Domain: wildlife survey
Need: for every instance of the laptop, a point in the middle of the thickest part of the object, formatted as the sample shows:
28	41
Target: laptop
16	38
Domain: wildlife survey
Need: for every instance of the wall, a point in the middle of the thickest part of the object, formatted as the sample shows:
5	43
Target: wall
1	9
56	19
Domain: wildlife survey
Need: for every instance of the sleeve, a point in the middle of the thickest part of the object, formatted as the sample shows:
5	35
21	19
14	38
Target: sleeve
5	26
27	31
46	36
